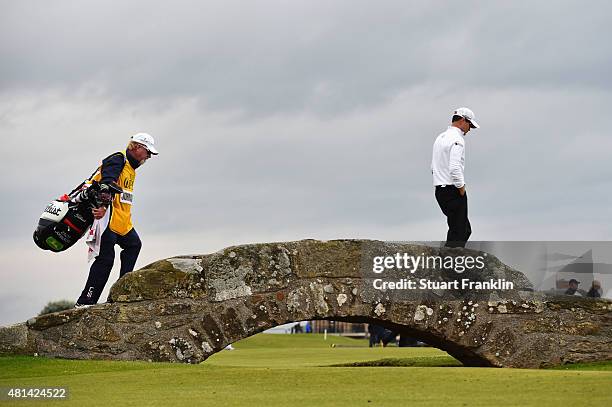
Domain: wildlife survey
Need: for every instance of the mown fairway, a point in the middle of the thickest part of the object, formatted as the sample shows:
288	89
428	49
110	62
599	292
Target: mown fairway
295	370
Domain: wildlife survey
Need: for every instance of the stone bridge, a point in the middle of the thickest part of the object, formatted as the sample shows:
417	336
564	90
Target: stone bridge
186	308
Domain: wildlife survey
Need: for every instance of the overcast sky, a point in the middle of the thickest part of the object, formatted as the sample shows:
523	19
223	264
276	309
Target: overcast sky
285	120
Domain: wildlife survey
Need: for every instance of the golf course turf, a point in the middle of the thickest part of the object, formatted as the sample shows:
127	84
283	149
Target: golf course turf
306	370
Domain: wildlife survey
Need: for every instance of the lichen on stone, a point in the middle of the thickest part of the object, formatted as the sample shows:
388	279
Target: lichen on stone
318	294
231	284
187	265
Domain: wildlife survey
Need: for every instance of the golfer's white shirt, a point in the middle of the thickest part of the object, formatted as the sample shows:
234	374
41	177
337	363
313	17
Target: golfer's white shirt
448	158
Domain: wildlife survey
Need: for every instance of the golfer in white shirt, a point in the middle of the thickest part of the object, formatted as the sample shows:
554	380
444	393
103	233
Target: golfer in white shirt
447	165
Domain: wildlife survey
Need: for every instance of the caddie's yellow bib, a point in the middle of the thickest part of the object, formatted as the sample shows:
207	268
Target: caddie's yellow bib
121	208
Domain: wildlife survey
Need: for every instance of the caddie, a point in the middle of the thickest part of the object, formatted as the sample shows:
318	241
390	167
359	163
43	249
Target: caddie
113	224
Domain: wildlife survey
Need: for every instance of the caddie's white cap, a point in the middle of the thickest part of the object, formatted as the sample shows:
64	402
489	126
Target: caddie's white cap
468	115
146	140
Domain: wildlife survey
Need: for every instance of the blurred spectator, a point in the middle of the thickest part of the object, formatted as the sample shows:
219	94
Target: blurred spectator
595	291
573	287
373	336
380	335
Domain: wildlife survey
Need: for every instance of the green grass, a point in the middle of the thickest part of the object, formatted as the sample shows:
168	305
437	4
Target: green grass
296	370
294	351
587	366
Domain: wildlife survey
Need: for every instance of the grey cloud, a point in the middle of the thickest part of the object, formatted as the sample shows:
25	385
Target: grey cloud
289	120
269	57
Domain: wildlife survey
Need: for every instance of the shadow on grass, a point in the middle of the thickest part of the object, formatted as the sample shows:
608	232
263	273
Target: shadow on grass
447	361
605	365
442	361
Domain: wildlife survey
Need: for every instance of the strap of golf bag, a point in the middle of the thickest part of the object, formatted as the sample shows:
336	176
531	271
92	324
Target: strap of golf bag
78	188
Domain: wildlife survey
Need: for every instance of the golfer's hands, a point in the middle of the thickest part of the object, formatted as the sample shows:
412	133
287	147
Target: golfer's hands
462	190
99	213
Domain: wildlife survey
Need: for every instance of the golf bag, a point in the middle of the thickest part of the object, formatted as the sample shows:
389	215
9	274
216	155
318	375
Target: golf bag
65	220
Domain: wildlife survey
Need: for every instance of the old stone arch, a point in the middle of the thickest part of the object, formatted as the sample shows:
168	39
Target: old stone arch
186	308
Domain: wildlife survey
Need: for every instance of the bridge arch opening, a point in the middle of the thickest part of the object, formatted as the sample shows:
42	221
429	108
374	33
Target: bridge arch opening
462	354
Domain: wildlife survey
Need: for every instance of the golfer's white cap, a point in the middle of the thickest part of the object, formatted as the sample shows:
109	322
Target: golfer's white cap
468	115
146	140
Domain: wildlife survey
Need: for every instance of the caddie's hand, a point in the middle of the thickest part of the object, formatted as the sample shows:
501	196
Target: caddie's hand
99	213
462	190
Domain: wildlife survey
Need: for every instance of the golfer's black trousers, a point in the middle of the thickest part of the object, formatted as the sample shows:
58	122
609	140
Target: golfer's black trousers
455	207
102	265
